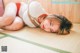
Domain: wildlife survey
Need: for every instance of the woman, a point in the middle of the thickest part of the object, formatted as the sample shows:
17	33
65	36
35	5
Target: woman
33	15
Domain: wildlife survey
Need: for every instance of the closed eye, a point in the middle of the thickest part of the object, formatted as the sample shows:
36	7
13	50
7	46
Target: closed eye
51	24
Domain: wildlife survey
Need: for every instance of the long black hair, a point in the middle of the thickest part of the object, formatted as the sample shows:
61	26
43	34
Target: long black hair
65	24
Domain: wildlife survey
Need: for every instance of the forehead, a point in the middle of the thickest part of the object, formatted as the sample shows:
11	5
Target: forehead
53	19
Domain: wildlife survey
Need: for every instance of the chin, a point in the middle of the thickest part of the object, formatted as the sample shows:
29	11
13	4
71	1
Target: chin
47	31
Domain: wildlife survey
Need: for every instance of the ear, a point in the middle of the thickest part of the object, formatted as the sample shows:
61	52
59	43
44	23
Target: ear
42	17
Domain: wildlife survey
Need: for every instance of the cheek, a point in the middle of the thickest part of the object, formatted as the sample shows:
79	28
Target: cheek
55	28
46	23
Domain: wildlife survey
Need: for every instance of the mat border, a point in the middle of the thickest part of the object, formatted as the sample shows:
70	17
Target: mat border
37	44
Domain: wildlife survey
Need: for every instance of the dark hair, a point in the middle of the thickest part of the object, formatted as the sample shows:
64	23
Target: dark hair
65	24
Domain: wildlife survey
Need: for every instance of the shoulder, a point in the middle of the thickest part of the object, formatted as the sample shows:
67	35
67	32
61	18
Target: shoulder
35	3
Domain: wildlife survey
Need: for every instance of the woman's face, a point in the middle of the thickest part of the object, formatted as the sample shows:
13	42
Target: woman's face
50	25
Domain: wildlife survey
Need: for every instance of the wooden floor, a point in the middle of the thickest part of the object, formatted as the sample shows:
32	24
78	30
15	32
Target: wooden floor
35	40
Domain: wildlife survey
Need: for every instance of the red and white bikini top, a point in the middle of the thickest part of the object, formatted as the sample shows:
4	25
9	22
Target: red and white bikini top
18	5
29	12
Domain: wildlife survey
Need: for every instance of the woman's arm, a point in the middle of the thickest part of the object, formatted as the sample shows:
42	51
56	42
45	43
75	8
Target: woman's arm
9	15
16	25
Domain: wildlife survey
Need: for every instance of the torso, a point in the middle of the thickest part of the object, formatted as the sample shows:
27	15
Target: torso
34	8
21	8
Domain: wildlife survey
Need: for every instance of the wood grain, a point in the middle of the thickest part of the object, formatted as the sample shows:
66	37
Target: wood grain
71	11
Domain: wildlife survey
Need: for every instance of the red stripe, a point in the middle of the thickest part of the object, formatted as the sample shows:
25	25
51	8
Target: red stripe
18	8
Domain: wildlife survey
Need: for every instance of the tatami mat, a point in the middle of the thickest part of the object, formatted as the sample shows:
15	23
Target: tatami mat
2	36
17	46
51	41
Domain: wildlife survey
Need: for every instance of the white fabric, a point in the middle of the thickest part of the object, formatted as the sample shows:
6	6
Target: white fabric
27	20
16	25
10	10
35	10
23	8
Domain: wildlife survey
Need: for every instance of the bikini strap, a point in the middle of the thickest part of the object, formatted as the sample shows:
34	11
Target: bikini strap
18	8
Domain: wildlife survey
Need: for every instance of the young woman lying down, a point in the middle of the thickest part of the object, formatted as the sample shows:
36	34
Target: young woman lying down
17	15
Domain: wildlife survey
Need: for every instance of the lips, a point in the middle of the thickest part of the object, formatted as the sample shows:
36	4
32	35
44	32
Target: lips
42	27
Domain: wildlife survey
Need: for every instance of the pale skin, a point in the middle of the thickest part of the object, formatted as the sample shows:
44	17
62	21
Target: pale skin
16	16
49	24
11	22
4	21
16	25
